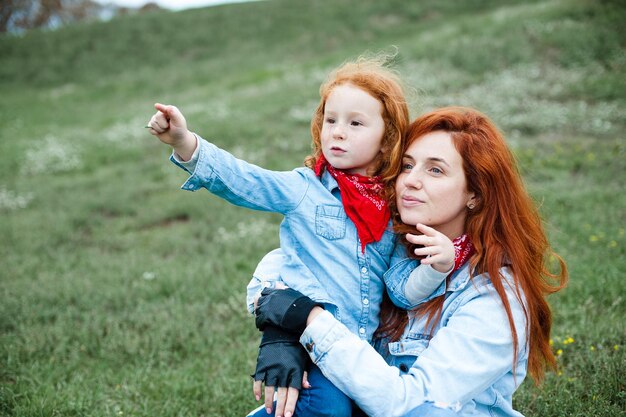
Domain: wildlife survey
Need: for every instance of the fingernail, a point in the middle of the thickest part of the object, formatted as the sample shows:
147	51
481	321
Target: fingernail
288	414
268	410
258	397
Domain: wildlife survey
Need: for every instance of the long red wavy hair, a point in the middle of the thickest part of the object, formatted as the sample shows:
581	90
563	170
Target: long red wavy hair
504	226
374	76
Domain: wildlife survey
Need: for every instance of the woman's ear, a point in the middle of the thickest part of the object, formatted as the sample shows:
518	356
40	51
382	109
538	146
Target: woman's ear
472	201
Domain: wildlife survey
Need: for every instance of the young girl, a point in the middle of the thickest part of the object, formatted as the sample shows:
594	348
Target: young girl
336	237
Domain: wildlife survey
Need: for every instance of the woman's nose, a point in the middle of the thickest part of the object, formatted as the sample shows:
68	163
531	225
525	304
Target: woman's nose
413	180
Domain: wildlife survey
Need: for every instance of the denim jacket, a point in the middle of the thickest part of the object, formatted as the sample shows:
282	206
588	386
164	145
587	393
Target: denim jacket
408	284
323	254
466	364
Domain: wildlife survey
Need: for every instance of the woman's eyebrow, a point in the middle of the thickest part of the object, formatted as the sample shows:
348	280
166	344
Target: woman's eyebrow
436	159
429	159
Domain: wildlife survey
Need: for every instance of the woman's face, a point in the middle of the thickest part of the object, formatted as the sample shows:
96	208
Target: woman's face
431	188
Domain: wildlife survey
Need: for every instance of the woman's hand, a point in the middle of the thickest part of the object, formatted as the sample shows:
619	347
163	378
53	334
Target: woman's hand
314	313
291	311
286	309
286	398
278	286
437	249
281	363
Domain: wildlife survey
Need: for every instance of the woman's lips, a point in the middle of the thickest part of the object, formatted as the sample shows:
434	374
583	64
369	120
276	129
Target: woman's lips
410	201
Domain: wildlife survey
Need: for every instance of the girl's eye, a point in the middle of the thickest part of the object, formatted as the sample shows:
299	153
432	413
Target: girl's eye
407	167
355	123
330	120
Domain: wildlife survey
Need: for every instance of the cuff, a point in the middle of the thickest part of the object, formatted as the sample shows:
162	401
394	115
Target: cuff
201	171
396	278
191	163
321	334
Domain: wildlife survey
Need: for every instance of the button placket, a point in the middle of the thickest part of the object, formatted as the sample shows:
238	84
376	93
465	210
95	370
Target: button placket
364	281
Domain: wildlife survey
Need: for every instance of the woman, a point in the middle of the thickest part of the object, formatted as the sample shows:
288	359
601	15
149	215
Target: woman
470	345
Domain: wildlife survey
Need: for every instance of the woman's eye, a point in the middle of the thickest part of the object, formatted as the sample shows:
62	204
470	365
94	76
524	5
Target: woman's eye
436	170
407	167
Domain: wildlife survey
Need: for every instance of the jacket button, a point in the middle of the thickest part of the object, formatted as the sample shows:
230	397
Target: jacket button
309	346
404	367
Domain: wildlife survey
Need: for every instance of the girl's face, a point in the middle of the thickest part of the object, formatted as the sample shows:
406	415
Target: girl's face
431	188
353	128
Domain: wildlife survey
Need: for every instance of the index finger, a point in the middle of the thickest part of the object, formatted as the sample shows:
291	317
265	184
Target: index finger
164	109
428	231
171	113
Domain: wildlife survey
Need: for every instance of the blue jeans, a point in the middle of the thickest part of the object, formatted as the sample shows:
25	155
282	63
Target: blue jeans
323	399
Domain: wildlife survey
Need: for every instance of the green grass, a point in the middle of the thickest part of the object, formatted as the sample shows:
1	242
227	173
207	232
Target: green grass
122	295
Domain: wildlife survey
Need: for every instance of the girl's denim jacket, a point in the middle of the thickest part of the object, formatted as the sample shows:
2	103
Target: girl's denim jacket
323	254
467	364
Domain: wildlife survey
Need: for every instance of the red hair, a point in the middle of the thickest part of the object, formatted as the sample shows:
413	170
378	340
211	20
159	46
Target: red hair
372	76
504	226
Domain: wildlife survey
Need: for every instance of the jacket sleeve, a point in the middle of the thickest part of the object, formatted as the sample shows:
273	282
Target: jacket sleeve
468	354
424	282
408	283
244	184
266	275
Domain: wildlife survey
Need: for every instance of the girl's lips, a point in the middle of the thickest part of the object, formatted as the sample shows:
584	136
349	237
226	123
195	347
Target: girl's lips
337	151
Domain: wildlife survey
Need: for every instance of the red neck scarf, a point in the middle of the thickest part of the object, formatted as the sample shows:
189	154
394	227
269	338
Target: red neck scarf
463	249
362	200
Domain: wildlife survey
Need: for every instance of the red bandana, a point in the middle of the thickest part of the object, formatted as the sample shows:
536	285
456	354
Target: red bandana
463	249
362	200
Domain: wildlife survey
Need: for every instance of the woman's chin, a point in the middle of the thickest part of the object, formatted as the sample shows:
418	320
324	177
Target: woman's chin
410	220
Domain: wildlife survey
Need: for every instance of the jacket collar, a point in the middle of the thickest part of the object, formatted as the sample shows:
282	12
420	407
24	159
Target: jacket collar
328	181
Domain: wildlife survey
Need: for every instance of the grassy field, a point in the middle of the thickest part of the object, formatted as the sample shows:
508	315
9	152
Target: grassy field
122	295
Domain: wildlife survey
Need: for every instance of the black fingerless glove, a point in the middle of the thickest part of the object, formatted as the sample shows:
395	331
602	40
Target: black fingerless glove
287	309
282	360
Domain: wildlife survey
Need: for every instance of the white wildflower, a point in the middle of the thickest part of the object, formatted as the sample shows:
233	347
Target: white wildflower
10	200
50	155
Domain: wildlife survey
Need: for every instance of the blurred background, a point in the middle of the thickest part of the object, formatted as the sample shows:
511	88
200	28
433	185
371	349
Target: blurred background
16	16
123	295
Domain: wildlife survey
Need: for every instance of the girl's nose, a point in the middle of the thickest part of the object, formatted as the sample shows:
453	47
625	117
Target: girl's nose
339	132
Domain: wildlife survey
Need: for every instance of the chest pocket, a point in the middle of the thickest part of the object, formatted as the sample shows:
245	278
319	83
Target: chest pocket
330	221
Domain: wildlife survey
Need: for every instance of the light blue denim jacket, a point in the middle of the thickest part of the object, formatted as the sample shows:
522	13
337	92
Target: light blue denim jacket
467	364
408	283
323	254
